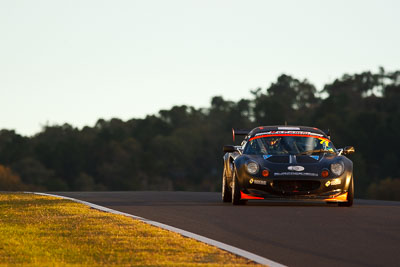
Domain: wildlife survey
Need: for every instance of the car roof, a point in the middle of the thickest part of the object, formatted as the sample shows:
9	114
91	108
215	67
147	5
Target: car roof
262	129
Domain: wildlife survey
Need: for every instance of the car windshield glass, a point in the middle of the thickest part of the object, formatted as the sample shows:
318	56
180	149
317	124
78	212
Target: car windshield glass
288	145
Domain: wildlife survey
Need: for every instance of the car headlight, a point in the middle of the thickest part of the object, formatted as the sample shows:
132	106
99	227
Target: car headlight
252	167
337	168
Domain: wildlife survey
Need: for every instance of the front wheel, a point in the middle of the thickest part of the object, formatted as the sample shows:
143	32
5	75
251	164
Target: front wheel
350	195
226	194
236	197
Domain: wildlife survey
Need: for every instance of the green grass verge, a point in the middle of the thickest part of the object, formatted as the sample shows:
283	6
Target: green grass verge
48	231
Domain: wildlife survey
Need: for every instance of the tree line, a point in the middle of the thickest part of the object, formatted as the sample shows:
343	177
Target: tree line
181	148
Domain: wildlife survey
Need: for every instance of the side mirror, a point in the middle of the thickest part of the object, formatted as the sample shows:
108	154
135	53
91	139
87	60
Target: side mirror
228	149
348	150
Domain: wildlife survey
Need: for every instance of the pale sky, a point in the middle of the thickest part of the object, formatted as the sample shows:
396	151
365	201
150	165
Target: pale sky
77	61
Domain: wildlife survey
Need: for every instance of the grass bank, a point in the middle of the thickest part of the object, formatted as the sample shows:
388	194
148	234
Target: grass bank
48	231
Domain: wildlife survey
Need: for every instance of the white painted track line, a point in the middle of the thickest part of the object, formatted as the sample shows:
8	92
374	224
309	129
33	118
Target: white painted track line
226	247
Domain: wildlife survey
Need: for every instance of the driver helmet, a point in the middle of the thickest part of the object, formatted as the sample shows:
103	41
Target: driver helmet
273	141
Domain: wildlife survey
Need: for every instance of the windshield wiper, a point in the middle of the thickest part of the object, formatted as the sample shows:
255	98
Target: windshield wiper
315	151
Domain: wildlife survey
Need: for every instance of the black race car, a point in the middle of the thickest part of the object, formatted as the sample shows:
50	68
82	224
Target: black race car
287	162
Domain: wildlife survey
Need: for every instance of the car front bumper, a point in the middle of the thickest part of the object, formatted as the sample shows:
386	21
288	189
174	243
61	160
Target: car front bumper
330	189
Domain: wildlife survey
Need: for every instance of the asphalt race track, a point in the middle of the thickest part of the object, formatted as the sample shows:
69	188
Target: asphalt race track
294	234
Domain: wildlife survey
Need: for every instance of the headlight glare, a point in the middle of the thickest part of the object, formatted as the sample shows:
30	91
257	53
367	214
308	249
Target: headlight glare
337	168
252	167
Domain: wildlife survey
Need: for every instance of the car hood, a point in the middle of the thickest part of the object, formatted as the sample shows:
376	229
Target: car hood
306	163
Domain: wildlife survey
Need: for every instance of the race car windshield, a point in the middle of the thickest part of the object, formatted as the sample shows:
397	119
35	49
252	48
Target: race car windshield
288	145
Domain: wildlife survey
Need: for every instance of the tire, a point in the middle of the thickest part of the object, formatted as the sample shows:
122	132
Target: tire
236	191
225	192
350	196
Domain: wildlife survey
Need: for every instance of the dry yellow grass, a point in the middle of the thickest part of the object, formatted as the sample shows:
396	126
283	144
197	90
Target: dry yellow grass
48	231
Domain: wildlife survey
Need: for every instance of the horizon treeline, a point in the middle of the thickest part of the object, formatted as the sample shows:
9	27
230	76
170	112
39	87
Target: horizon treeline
181	148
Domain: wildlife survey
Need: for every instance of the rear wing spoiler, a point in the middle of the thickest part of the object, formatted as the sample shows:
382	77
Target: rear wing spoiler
242	132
